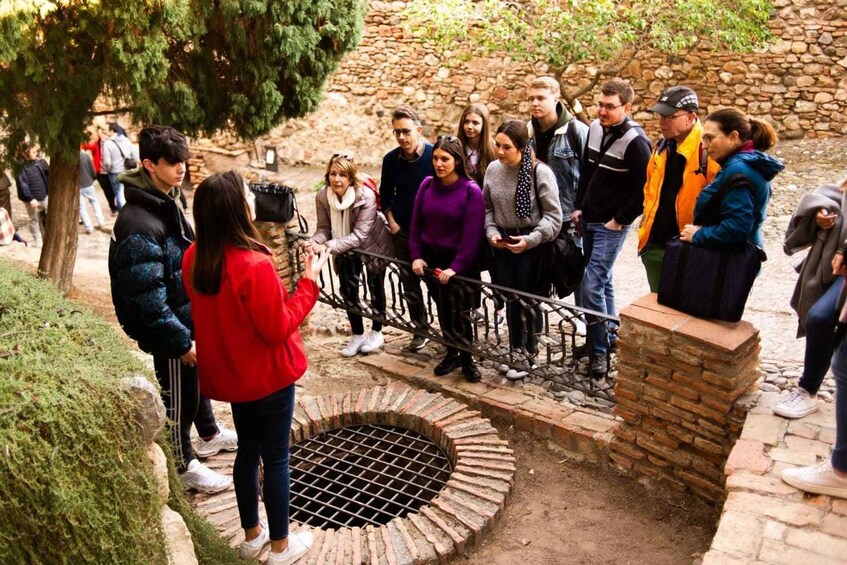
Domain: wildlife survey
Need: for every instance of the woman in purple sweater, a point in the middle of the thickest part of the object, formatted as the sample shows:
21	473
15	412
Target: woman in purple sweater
446	235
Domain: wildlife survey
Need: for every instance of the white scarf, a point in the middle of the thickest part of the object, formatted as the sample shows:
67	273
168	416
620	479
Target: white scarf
340	223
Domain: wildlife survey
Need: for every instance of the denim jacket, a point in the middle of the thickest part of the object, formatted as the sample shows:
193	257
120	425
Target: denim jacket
565	162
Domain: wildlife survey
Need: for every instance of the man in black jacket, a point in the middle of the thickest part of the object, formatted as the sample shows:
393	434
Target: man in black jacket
610	197
145	264
32	190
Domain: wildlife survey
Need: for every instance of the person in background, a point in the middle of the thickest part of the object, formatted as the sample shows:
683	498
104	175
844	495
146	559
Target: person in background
32	189
817	225
348	219
87	176
95	146
609	198
115	151
678	170
250	353
446	236
733	207
403	170
522	211
474	133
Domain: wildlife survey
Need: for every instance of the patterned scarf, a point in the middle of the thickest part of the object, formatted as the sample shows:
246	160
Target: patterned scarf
522	199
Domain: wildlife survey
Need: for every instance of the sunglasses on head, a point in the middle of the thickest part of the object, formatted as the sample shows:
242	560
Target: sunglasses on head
447	138
346	156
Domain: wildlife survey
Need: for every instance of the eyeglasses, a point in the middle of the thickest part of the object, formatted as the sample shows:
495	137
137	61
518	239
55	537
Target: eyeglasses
608	107
402	132
346	156
673	117
447	138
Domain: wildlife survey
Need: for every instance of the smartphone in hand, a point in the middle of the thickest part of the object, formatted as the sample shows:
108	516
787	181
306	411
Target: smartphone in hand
509	240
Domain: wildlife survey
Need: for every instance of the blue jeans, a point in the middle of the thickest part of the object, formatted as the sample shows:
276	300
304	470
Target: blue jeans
820	342
263	428
839	367
118	189
601	246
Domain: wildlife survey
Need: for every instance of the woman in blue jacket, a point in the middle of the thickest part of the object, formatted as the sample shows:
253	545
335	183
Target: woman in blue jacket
732	208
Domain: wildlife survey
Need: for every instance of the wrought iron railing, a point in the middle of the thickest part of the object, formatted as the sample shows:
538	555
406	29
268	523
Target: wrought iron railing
556	323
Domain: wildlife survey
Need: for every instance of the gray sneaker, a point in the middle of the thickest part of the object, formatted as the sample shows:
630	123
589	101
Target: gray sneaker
418	342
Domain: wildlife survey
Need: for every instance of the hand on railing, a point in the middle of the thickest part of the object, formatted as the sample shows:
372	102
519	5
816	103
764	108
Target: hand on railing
418	266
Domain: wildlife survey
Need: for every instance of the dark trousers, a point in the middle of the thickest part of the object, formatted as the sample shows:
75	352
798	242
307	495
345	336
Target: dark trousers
183	406
349	269
820	339
453	302
412	293
106	185
518	271
263	428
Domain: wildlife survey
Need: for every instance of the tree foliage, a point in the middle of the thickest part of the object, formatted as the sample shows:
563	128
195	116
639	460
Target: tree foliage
602	32
198	65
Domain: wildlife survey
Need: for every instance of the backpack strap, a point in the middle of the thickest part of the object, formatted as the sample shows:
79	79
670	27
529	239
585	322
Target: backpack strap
574	141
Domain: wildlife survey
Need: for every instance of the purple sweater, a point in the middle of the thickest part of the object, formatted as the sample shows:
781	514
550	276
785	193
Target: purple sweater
450	217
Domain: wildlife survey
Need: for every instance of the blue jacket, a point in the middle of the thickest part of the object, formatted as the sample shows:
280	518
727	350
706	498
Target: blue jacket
145	265
743	209
565	161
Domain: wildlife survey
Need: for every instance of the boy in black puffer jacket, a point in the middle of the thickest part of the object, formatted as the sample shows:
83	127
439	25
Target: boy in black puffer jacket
145	265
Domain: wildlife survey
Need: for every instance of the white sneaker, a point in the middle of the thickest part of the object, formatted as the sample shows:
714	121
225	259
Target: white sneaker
299	544
515	375
251	549
202	479
579	326
817	479
797	404
226	440
373	342
503	368
354	346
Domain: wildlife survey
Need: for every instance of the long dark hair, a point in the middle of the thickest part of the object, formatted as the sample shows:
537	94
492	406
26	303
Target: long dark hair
454	148
760	132
222	217
486	144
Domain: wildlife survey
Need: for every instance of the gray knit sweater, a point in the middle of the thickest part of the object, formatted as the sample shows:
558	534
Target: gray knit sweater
501	182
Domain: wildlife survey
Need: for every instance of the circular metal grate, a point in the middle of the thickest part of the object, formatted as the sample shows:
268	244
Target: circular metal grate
360	475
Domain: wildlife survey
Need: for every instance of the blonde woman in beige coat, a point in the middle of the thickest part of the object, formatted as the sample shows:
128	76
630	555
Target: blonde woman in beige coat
348	219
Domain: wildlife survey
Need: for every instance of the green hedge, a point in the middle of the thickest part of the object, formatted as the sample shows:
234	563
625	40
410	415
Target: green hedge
75	486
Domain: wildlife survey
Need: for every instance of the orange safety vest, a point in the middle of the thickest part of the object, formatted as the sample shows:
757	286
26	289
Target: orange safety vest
694	178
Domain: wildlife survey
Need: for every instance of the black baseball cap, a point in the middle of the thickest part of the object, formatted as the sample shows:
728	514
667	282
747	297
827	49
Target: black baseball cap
676	98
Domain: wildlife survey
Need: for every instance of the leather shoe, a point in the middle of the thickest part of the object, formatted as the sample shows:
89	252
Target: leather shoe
447	365
471	372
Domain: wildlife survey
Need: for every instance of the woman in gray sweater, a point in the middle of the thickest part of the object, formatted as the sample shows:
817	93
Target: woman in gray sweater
522	211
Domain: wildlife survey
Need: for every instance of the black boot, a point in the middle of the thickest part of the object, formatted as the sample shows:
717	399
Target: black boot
449	364
470	370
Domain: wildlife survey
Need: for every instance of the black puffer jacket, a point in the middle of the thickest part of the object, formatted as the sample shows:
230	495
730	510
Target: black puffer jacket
32	180
145	266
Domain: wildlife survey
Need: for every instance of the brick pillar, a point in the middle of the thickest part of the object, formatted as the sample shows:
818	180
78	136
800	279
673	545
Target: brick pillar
282	247
678	381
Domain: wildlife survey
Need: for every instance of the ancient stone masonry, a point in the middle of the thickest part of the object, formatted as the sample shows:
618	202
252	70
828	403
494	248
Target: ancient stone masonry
798	83
680	388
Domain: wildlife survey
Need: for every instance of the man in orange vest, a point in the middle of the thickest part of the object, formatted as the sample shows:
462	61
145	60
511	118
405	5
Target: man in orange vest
678	170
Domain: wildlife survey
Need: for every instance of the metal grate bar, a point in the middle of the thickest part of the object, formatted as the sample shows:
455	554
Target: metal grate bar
364	475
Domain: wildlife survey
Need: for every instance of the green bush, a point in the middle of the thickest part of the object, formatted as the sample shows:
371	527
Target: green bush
75	486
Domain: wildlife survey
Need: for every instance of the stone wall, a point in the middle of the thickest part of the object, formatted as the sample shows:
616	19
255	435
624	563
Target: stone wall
678	388
798	83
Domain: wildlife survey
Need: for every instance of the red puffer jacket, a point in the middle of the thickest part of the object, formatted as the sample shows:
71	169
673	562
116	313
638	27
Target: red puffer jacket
248	338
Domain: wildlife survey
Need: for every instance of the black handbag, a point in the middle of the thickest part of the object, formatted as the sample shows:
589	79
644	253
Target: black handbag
274	202
708	283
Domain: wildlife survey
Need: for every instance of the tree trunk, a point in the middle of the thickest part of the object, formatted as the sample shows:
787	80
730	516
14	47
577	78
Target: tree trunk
58	255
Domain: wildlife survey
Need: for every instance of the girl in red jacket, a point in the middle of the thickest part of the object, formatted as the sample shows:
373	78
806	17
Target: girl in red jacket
249	353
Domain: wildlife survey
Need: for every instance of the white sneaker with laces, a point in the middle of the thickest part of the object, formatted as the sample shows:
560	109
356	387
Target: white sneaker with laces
373	342
251	549
354	345
797	404
299	544
202	479
817	479
226	440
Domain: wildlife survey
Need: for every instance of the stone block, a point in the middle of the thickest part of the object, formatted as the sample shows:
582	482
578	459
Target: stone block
589	422
739	535
792	457
148	411
180	547
818	542
762	484
749	456
764	428
787	512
